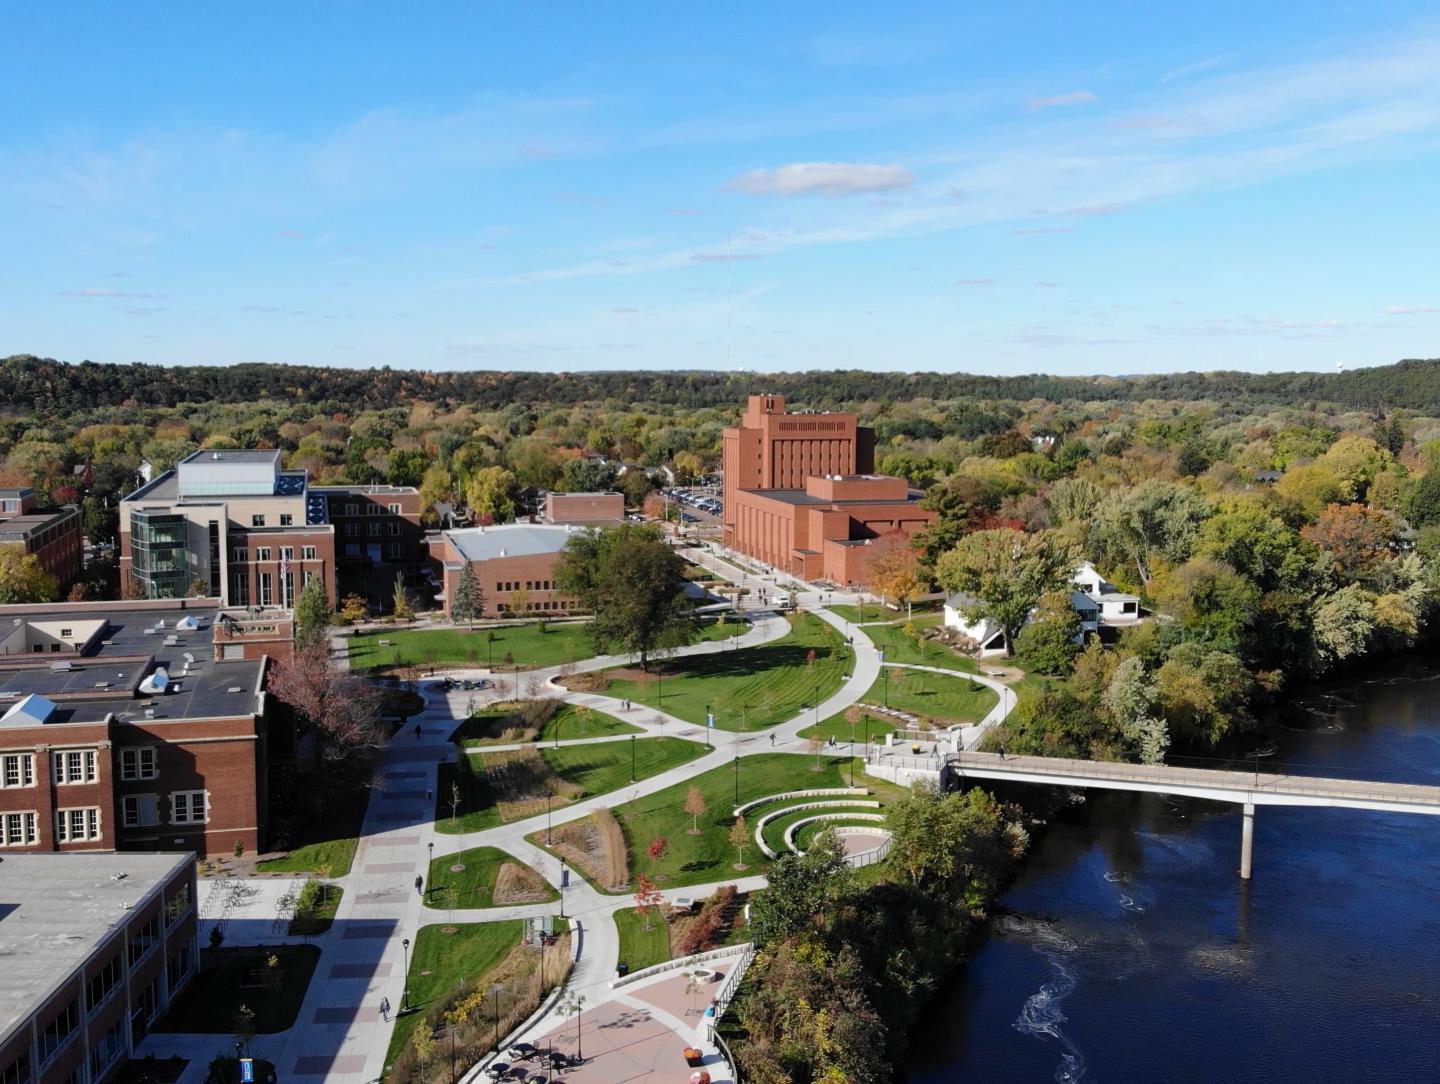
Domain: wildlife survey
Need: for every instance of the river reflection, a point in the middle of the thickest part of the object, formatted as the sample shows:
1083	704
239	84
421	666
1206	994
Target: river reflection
1130	950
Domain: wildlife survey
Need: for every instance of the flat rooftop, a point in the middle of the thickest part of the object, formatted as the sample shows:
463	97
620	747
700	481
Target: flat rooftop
800	497
57	909
166	488
104	678
509	540
37	519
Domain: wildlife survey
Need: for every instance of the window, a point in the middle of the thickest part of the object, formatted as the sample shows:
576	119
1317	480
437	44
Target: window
77	825
18	1071
178	905
374	529
144	939
178	966
188	807
307	553
394	509
103	983
394	526
352	549
267	589
17	829
286	519
287	553
107	1050
143	810
139	763
352	509
392	551
65	634
17	770
75	766
59	1031
263	553
352	529
240	588
257	520
240	554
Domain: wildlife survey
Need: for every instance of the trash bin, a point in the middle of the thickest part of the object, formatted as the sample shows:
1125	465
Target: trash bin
622	969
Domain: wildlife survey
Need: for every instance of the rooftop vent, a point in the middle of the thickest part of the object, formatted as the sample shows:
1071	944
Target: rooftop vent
62	666
156	683
235	689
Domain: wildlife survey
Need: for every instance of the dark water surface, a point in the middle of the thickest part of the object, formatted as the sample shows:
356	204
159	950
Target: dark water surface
1130	950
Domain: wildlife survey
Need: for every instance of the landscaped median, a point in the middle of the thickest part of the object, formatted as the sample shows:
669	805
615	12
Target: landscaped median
527	646
942	700
652	835
495	788
749	688
479	978
537	720
483	877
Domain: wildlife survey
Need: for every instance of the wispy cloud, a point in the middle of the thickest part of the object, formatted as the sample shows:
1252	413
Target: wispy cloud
1033	231
823	179
1187	70
110	294
974	282
724	257
1070	97
1410	310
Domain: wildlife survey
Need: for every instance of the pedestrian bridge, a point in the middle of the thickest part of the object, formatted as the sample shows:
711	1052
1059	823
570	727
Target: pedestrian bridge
1247	789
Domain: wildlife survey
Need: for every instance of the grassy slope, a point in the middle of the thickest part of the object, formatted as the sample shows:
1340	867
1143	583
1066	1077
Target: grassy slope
476	881
640	947
332	857
569	723
946	699
468	953
751	688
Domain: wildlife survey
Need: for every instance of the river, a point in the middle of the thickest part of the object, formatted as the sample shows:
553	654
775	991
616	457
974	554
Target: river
1129	949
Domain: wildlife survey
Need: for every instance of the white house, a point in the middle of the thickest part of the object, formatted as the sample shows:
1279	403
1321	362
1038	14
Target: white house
1112	607
1094	598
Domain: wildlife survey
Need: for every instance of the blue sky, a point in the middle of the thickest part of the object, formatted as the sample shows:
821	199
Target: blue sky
984	188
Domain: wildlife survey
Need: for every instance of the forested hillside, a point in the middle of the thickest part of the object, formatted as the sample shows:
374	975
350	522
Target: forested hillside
28	383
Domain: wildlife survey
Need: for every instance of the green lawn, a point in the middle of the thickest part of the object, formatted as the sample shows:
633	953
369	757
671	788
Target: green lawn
526	644
899	647
330	858
439	961
751	688
640	947
315	910
708	857
476	882
595	768
568	723
871	611
231	977
944	698
775	830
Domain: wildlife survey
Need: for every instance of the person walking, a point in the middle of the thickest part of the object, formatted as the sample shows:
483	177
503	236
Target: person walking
772	740
385	1009
417	731
419	885
429	793
1002	752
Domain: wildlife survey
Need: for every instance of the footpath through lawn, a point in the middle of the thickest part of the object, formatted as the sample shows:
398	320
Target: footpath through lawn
750	688
944	699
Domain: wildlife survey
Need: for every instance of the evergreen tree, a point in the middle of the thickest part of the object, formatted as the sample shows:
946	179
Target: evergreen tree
312	614
466	604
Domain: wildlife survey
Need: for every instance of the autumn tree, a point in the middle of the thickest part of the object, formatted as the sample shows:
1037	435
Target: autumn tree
893	568
740	839
647	897
1355	539
656	848
695	806
22	579
490	493
341	710
1004	573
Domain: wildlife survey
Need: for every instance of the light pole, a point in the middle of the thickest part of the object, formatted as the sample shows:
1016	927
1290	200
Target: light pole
431	845
495	1009
405	984
884	674
737	779
632	758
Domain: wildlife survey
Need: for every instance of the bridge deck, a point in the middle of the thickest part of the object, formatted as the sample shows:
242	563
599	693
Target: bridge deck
1218	784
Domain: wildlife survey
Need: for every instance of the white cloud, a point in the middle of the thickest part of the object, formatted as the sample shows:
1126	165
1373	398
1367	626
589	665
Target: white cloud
1196	68
823	179
974	282
1410	310
111	294
1071	97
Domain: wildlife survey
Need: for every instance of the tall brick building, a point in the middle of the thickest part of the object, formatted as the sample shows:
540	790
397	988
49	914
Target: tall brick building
135	725
54	536
800	492
514	567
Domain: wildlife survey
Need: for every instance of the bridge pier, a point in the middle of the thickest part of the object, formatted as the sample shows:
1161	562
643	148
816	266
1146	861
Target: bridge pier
1247	840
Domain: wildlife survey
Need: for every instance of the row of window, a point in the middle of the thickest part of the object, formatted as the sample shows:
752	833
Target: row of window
67	766
21	829
530	585
265	587
392	550
352	508
241	554
353	529
286	519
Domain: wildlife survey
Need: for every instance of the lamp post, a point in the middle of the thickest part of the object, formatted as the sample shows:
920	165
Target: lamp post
737	779
885	674
405	985
632	758
431	845
495	1011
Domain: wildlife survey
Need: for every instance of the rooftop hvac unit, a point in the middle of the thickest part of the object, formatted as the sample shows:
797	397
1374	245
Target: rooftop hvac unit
62	666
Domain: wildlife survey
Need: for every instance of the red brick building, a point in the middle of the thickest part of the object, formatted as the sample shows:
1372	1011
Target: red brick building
800	492
514	567
588	509
132	726
54	536
97	948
